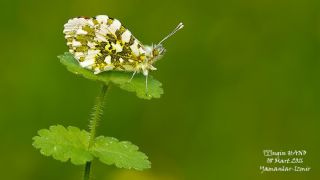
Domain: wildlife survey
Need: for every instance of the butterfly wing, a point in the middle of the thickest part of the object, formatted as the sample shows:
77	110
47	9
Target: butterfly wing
102	43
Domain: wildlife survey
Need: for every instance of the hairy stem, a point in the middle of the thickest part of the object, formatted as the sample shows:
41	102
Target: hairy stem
95	118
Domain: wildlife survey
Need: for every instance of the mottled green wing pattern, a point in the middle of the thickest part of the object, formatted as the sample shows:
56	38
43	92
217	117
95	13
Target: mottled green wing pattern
101	44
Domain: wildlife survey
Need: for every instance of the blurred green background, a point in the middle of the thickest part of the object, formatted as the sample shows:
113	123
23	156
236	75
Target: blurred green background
241	77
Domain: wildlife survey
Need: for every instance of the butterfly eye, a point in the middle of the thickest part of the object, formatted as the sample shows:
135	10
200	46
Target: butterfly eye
155	52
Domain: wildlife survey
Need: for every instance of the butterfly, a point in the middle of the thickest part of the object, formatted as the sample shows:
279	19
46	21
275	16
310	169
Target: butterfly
102	43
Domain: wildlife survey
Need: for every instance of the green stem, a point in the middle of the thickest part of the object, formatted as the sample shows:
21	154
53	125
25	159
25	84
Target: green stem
95	117
86	175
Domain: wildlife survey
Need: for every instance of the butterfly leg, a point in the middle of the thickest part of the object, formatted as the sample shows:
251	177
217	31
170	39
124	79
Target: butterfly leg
134	73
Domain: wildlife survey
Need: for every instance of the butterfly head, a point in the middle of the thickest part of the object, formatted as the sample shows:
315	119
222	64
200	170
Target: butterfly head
152	55
155	52
158	51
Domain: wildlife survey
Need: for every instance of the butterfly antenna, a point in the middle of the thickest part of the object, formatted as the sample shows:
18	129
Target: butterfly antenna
180	26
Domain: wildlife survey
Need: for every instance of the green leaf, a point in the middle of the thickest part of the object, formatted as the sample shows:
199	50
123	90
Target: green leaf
71	143
64	144
121	79
123	154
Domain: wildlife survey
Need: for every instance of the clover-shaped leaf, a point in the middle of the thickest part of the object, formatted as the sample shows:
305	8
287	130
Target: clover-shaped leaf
123	154
72	143
121	79
64	144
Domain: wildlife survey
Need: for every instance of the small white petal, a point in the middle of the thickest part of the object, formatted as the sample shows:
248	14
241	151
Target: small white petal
74	24
76	43
81	31
103	30
108	59
93	52
108	67
102	18
78	54
87	62
126	36
115	26
100	38
91	44
117	47
134	48
141	50
97	71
